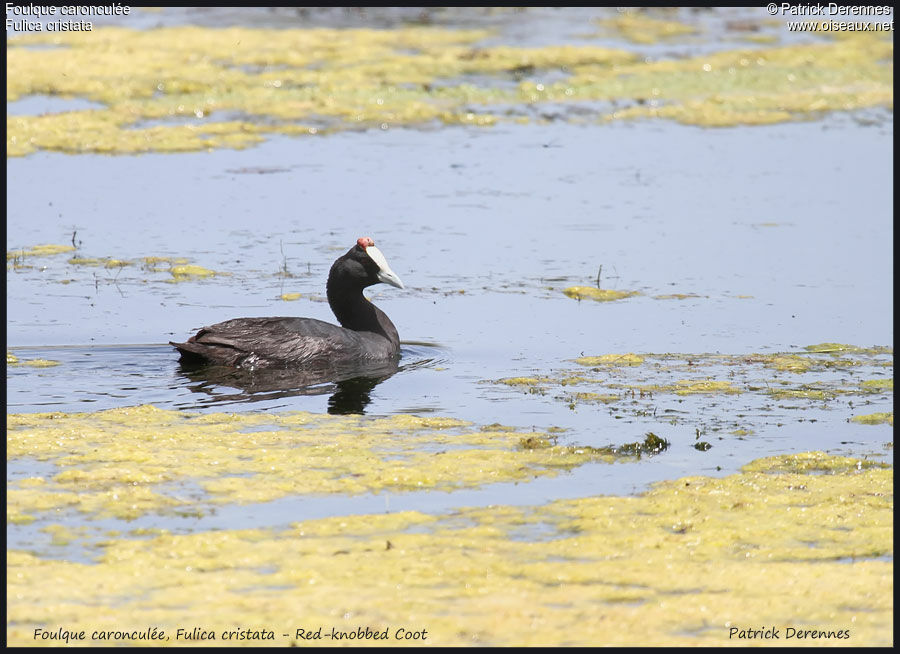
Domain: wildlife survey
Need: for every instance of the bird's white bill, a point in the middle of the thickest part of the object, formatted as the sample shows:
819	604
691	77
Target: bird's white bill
385	274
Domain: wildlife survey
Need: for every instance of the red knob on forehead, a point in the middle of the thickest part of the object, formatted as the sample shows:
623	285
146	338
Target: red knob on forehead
364	242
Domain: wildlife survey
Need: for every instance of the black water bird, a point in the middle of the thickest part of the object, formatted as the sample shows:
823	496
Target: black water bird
306	345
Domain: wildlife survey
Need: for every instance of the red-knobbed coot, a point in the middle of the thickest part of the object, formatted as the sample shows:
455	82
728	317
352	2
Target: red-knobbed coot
366	334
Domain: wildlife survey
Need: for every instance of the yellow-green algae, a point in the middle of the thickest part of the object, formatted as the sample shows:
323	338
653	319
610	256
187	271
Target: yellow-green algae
38	251
611	360
625	378
520	381
175	265
875	419
877	385
598	294
595	397
178	267
789	362
836	348
806	462
153	261
286	80
679	565
62	535
354	77
87	261
637	27
124	462
803	362
190	271
171	268
106	262
803	392
572	379
762	86
684	387
39	363
13	360
687	387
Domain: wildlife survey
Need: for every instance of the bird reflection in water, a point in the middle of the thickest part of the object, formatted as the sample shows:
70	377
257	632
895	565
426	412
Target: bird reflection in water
350	385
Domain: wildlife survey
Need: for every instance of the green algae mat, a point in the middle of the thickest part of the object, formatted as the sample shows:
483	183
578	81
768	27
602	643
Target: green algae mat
801	544
824	375
124	463
189	88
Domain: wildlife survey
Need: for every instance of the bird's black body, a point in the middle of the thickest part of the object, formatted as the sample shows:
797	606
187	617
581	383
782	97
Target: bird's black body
366	335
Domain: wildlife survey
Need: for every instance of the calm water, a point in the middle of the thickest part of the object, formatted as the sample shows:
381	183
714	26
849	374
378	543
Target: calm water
485	226
784	232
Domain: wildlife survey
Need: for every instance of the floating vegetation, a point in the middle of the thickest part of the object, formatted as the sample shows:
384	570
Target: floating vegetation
611	360
595	397
877	385
654	385
161	264
836	348
652	444
686	387
127	462
761	86
13	360
597	294
116	263
811	462
190	271
803	392
39	363
290	297
38	251
106	262
788	362
174	269
758	544
520	381
86	261
875	419
637	27
188	88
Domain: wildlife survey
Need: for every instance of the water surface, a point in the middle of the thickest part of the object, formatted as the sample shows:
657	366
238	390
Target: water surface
780	235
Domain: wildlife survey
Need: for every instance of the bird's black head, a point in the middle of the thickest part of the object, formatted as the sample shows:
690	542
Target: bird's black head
362	266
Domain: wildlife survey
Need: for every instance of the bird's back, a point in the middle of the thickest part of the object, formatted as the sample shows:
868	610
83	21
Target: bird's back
283	341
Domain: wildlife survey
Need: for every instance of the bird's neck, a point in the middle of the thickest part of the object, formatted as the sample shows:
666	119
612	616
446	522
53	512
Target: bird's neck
355	312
